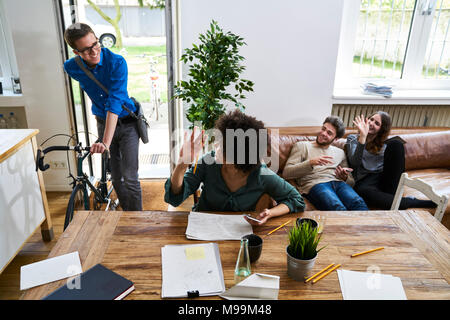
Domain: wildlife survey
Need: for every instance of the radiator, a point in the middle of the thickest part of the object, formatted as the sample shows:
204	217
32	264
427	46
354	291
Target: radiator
402	115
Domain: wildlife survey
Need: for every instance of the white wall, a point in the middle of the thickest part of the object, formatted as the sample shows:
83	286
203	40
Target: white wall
34	32
291	52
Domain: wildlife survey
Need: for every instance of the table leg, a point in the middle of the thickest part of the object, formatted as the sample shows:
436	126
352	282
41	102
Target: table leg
46	226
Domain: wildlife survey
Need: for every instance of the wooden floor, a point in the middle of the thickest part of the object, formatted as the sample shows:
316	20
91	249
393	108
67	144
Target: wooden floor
36	250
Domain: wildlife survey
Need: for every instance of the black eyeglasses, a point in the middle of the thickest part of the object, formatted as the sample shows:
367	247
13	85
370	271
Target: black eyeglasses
89	50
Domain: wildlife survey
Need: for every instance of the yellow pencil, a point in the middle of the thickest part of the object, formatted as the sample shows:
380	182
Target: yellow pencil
324	269
326	273
357	254
195	168
279	227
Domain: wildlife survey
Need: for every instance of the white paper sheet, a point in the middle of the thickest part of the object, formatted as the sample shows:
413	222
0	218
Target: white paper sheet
255	287
49	270
191	268
370	286
211	227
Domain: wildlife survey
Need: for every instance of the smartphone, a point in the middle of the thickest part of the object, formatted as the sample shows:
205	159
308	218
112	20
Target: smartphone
251	218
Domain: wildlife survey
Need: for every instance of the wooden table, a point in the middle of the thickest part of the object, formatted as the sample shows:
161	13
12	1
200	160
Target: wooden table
416	245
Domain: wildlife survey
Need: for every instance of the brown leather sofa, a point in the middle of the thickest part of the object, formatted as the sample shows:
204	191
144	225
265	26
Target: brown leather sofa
427	156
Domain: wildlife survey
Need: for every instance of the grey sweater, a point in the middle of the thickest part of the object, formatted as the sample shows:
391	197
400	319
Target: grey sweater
362	161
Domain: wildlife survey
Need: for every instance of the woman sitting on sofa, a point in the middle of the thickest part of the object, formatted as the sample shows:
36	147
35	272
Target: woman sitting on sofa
233	180
378	163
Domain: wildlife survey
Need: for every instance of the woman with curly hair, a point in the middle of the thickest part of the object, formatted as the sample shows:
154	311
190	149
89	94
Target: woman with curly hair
233	176
378	164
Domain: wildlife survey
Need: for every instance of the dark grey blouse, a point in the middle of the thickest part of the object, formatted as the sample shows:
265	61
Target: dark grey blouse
362	161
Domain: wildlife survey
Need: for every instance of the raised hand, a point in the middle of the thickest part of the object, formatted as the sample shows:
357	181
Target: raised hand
192	146
362	124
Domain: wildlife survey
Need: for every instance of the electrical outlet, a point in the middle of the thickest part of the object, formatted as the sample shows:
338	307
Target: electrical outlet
61	164
58	165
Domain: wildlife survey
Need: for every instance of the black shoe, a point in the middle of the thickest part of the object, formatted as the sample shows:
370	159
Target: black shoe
412	202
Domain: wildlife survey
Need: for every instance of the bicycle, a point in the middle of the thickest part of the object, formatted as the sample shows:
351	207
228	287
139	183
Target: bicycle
81	184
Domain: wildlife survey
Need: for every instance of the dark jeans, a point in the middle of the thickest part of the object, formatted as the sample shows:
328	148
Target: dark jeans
124	151
378	189
335	196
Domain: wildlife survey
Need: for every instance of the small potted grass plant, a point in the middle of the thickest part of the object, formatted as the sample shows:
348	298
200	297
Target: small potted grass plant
302	250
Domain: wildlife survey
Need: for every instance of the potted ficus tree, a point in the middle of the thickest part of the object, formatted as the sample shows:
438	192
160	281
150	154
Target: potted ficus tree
302	250
214	69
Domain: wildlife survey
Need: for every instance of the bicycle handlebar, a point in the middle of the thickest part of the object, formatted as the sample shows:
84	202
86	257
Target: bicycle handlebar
41	153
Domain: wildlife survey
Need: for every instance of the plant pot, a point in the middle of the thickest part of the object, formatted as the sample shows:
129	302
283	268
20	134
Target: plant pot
298	269
312	222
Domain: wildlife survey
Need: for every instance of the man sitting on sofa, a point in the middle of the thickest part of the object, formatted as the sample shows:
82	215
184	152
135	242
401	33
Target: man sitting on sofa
321	170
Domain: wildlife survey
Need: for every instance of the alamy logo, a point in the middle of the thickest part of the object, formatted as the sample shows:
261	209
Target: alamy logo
74	282
373	282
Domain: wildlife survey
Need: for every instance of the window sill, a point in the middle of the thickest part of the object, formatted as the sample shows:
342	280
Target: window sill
355	96
9	99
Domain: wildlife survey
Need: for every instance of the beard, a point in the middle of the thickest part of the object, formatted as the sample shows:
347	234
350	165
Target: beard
323	143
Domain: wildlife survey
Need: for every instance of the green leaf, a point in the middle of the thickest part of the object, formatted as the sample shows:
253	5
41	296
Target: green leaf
216	68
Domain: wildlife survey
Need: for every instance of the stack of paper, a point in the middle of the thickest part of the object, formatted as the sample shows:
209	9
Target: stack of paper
377	89
191	268
255	287
370	286
49	270
210	227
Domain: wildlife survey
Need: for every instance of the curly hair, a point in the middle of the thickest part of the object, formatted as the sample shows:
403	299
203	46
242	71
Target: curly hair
243	132
376	144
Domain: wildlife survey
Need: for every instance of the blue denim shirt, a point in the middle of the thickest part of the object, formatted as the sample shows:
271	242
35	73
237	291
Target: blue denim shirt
112	72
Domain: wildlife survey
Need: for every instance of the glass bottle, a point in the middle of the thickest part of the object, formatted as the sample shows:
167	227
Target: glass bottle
242	269
12	121
3	124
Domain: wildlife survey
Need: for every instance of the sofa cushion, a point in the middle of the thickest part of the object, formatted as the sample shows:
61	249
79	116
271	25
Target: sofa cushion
427	150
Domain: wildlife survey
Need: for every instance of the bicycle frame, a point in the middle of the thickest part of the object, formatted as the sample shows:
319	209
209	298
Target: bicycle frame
101	193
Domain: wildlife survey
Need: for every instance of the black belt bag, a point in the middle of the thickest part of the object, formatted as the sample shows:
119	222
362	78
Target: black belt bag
142	123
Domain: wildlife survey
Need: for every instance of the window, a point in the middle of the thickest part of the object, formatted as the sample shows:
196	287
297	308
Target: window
403	42
8	65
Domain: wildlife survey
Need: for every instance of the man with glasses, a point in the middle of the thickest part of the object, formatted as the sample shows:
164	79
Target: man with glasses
117	129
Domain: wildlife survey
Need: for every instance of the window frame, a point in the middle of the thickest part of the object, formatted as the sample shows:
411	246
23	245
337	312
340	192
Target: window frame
8	60
420	31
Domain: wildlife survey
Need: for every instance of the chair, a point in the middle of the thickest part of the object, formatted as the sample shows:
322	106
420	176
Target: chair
418	184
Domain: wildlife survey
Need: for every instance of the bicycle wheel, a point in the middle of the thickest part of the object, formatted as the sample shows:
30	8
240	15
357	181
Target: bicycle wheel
76	202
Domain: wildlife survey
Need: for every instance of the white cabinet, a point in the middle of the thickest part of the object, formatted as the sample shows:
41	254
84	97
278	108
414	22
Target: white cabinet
23	202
